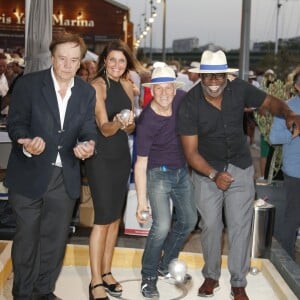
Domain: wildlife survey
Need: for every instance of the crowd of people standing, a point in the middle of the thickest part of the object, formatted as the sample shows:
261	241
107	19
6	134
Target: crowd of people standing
11	68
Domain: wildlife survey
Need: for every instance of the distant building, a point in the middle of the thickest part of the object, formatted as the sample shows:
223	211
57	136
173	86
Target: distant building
147	50
185	45
211	47
291	43
263	46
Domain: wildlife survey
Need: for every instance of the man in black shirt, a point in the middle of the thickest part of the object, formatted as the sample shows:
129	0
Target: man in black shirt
211	128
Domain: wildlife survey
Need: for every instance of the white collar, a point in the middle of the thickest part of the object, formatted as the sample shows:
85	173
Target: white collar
56	85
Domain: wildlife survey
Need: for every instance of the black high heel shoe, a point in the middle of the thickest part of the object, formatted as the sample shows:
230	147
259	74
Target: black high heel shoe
112	289
93	287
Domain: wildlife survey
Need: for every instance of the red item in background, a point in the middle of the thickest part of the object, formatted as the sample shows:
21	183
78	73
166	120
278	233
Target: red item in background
147	96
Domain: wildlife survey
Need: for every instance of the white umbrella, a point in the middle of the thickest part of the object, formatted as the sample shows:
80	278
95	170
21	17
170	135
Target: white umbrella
38	34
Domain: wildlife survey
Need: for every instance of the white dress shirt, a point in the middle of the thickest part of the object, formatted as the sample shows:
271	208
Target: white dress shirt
62	106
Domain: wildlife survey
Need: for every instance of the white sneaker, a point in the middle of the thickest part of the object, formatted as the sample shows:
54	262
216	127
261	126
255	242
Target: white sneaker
171	279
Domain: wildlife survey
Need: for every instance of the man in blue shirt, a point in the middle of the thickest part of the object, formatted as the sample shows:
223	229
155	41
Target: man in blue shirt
290	140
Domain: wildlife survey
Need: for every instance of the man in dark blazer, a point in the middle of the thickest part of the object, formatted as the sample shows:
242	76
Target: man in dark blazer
52	127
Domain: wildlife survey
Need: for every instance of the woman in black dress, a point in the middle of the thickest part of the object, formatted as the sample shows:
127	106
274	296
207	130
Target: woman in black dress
108	171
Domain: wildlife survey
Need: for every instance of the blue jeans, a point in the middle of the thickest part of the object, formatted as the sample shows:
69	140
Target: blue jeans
167	235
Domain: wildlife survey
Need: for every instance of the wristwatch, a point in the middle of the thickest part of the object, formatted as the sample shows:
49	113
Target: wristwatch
212	175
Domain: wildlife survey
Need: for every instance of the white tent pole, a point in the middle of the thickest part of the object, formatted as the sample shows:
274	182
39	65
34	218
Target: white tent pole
27	11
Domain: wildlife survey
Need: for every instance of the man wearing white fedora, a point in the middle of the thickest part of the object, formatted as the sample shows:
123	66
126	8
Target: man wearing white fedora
161	173
193	77
211	128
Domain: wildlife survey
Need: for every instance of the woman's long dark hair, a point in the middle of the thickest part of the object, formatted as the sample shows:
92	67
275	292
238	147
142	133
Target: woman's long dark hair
116	45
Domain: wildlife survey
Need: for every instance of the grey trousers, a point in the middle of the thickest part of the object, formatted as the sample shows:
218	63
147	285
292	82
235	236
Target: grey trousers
238	208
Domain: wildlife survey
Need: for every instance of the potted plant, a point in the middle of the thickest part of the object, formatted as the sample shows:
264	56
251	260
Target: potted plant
264	121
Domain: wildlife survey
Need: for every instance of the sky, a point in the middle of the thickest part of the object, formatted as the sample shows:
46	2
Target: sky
216	21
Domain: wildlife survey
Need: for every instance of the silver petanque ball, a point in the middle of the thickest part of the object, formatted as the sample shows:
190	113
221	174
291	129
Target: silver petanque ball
124	114
178	269
254	271
145	214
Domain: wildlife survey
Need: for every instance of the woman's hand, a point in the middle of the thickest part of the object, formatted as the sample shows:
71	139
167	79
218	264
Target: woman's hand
127	122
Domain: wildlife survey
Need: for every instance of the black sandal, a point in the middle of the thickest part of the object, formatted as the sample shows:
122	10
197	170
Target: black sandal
93	287
112	288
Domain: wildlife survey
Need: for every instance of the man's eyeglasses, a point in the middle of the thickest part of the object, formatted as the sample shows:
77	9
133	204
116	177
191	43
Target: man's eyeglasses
216	76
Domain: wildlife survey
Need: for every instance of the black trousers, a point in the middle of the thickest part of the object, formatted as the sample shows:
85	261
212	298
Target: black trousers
41	236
